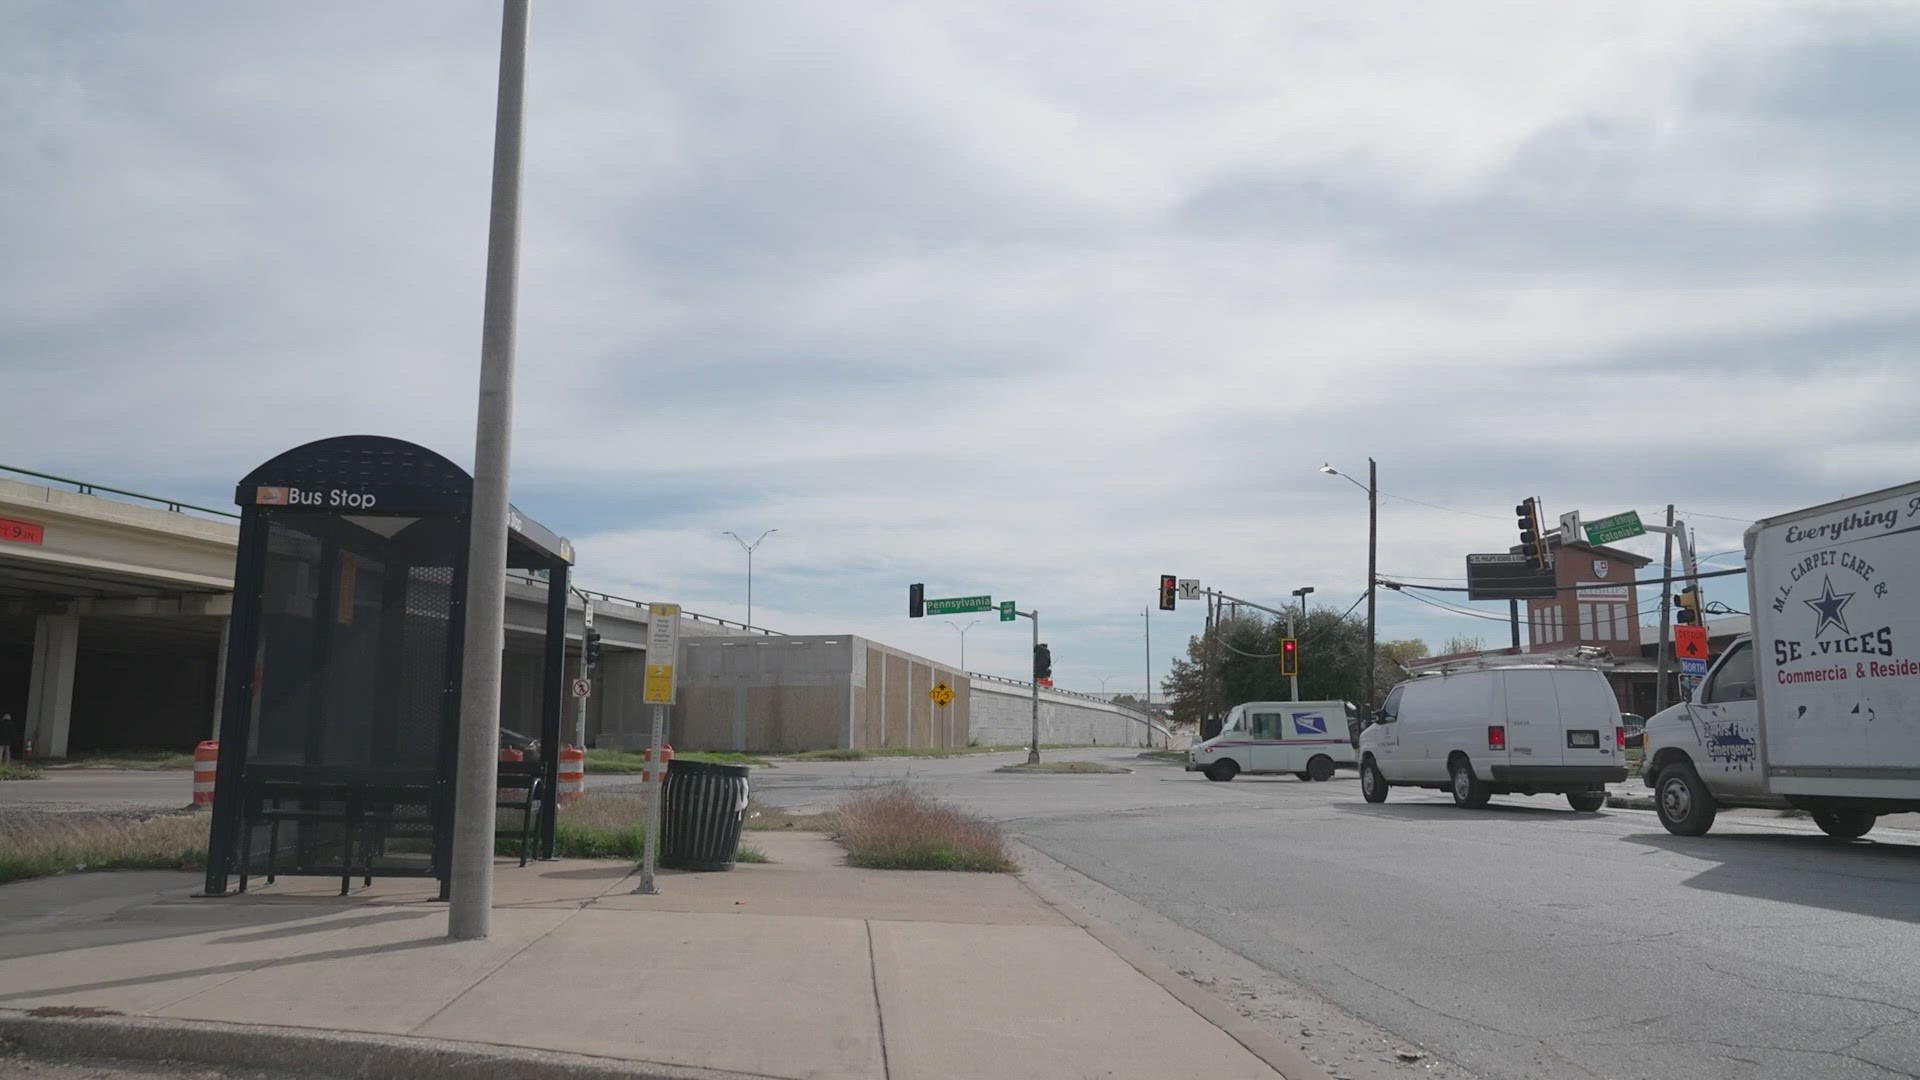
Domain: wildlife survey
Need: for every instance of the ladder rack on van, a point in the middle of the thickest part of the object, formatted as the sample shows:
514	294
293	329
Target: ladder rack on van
1583	656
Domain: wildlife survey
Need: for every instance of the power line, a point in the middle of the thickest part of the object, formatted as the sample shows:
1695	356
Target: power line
1582	587
1489	616
1716	517
1437	506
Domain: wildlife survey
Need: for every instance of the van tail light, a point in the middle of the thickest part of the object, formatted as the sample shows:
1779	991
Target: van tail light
1620	737
1496	737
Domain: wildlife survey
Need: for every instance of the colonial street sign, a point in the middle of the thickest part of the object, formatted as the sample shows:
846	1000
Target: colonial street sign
1507	577
1618	527
959	605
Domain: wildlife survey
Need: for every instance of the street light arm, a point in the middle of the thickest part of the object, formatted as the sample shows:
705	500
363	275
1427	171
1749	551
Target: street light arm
1331	471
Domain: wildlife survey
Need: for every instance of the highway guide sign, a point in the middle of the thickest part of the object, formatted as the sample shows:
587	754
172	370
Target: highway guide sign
1607	530
1006	611
959	605
663	653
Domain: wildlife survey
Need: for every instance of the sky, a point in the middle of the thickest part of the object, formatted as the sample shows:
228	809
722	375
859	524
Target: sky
1039	300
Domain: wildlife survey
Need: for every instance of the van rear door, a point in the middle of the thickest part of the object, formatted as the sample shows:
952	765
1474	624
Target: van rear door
1589	712
1533	717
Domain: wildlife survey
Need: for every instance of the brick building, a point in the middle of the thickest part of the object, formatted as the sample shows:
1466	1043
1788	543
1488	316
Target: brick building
1604	613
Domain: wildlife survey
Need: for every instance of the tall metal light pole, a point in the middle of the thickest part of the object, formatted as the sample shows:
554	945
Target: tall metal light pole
749	549
471	910
963	640
1372	488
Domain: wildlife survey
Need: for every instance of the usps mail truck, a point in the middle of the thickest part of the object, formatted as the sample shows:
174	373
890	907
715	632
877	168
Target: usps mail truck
1306	738
1819	709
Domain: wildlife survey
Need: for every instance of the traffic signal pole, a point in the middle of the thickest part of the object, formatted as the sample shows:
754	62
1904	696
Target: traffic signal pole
1666	621
1033	748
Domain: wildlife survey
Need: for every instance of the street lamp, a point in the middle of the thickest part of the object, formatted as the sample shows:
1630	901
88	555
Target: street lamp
470	912
1302	594
749	549
963	640
1372	488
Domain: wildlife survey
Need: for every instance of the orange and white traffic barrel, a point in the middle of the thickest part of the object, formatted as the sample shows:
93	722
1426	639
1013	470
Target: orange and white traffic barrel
666	759
573	774
206	763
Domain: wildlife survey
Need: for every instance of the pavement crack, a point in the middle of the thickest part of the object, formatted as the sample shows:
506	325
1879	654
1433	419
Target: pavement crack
879	1013
490	972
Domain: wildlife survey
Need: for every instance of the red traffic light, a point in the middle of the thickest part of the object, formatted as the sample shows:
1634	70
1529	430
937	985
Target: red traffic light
1289	656
1169	590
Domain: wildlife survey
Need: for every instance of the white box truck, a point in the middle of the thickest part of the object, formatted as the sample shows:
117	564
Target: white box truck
1819	708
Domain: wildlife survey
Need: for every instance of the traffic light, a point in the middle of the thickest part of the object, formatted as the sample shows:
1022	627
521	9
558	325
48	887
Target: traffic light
1689	601
1289	656
916	600
1042	662
1168	586
592	647
1531	544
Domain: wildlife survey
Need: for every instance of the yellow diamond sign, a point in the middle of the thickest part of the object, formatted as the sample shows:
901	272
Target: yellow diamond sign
942	694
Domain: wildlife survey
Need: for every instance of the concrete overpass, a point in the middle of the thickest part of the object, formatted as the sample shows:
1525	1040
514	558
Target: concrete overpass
114	606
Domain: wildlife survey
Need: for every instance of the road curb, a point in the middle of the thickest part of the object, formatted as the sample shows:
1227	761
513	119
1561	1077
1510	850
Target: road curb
346	1055
1280	1056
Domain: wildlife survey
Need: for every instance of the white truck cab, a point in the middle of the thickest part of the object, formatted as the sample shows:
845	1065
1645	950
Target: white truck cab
1306	738
1819	709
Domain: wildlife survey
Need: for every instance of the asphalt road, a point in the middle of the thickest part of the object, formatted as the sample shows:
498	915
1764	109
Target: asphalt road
1520	941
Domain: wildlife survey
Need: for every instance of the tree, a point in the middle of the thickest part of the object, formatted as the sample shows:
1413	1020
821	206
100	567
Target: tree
1461	643
1246	667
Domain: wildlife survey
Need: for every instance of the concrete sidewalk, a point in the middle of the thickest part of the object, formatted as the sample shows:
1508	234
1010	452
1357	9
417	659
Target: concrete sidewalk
802	968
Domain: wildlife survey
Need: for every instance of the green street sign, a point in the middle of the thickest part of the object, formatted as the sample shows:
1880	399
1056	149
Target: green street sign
1618	527
1006	611
959	605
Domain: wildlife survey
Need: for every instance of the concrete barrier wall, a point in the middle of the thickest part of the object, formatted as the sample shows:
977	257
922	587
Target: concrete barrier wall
1002	714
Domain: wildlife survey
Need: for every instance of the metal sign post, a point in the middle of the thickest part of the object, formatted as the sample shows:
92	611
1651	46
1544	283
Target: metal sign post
586	675
663	662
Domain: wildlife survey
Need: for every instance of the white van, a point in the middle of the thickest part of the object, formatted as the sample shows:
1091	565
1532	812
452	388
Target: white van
1305	738
1520	729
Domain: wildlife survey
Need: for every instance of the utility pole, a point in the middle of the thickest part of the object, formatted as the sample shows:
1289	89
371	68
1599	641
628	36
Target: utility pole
1373	574
1293	681
1666	619
470	912
1513	620
1207	730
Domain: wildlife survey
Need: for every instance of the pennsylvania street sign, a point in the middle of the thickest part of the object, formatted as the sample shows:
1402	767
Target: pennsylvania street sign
1618	527
1692	668
959	605
1006	611
1507	577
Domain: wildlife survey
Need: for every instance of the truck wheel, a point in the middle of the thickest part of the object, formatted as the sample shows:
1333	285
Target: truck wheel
1469	791
1683	802
1320	769
1222	771
1373	786
1586	802
1845	824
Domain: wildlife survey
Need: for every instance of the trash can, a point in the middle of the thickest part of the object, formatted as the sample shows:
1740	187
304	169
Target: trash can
701	811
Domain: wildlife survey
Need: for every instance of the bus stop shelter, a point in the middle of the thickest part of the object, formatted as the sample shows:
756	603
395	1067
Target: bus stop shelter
340	715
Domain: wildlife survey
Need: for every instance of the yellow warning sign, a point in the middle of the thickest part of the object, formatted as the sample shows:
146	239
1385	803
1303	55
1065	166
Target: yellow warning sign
942	694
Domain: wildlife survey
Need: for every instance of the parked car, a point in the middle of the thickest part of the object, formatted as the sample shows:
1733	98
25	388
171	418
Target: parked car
1306	738
1481	731
1636	727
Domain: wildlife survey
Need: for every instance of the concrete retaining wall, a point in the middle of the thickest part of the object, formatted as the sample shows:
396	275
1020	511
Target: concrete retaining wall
1002	714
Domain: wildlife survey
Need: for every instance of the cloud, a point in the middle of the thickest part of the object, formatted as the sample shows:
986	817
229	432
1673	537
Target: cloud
1041	300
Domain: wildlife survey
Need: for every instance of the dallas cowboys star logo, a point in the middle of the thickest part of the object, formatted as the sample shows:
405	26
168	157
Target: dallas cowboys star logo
1829	607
